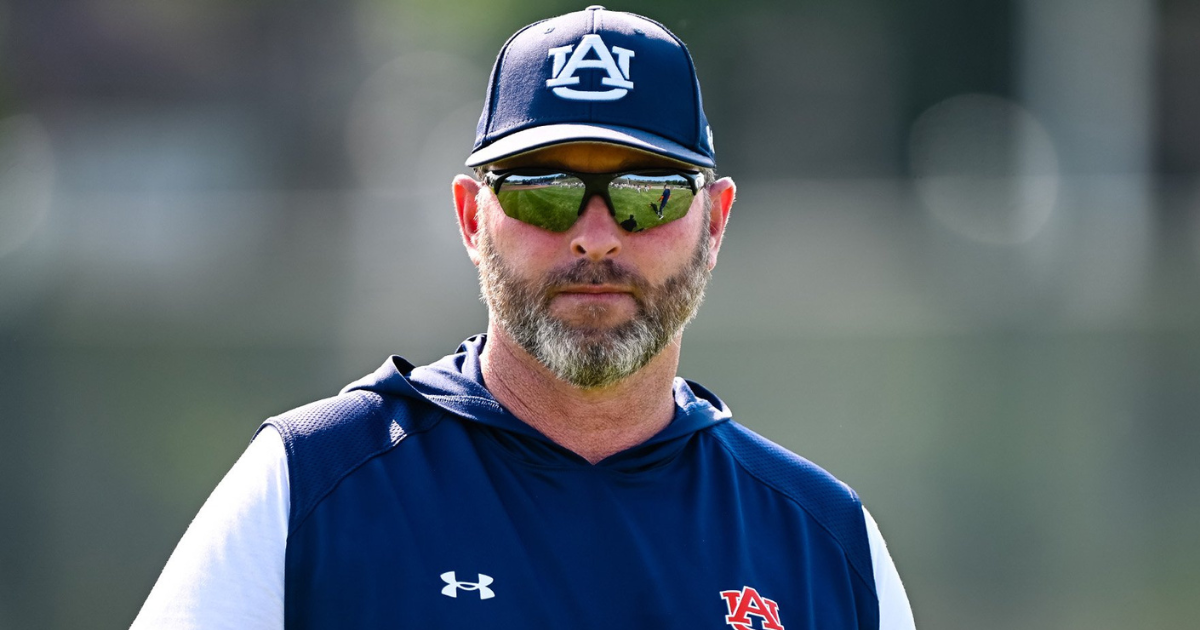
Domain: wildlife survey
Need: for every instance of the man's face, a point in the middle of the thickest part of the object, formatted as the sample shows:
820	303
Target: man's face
593	304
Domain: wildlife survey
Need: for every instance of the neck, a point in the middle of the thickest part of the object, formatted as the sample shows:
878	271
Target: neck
592	423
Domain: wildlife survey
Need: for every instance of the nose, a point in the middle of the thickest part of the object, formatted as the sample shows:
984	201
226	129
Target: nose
596	235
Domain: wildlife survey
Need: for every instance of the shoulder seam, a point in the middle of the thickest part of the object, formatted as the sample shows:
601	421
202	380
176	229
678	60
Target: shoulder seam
774	486
299	519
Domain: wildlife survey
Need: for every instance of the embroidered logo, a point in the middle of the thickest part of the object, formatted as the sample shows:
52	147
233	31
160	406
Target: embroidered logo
564	69
746	603
453	585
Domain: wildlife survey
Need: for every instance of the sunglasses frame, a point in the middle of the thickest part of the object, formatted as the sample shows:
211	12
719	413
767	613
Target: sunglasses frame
594	184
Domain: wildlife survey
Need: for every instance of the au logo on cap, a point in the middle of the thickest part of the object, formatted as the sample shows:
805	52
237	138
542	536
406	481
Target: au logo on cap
564	69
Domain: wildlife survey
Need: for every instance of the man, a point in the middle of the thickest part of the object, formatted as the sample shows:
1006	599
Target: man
553	473
661	204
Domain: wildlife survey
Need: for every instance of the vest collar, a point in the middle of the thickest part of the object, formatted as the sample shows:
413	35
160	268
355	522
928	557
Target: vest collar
455	384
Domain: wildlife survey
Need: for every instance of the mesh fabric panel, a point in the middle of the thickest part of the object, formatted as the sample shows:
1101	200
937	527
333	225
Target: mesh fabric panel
328	439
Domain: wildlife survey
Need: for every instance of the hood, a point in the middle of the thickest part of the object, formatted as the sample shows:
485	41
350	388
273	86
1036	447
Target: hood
455	384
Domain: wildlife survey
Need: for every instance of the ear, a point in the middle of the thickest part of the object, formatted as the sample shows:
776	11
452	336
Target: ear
722	193
466	191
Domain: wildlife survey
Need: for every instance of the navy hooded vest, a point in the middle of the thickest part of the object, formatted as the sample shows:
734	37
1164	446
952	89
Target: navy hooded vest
417	501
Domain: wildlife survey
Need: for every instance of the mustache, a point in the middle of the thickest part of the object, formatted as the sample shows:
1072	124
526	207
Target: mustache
605	271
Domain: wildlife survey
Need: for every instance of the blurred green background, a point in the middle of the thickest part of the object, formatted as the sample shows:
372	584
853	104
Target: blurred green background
963	272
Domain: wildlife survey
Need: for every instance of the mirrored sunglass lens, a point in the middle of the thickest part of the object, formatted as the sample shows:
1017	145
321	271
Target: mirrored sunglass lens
643	201
548	201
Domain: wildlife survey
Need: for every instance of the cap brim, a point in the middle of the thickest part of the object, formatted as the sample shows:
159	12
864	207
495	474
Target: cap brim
547	135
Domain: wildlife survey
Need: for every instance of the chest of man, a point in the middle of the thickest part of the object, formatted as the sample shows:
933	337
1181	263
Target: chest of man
473	528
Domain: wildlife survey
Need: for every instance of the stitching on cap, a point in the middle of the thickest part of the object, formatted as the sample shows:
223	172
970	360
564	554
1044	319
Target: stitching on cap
491	104
687	57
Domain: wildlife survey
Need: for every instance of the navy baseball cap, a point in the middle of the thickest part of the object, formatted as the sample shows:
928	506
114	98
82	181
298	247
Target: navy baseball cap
594	76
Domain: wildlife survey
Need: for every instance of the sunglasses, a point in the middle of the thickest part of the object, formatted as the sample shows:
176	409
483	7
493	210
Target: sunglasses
554	199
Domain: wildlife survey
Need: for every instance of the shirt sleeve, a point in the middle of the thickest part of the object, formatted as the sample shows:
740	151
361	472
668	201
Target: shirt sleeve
228	569
894	610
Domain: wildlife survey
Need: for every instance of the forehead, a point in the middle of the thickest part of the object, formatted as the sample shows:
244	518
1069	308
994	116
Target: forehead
590	157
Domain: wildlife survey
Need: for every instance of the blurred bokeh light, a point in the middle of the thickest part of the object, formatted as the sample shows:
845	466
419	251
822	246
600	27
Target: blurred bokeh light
963	272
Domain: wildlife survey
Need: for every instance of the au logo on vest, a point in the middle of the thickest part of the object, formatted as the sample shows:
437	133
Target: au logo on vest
748	603
564	69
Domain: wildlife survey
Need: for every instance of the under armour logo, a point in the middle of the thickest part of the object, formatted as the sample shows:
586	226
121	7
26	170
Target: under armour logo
564	69
452	585
746	602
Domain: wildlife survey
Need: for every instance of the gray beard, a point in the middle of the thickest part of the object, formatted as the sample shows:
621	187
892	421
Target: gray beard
591	357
